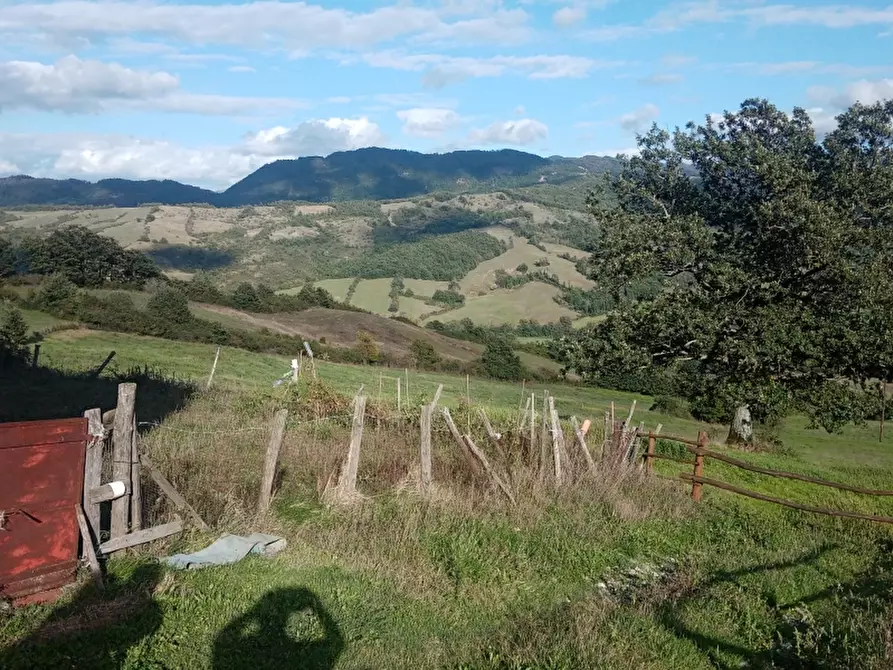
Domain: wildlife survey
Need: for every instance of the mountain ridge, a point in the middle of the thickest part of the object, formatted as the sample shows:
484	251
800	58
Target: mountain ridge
362	174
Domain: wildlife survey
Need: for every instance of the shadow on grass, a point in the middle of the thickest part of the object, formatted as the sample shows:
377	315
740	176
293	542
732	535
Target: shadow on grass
31	394
847	636
92	630
287	628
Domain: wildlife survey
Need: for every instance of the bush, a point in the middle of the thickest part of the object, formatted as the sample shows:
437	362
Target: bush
13	332
450	298
423	353
499	361
672	406
170	305
366	348
522	268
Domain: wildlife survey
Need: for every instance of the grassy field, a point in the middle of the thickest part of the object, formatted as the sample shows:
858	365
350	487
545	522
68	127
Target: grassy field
612	571
531	301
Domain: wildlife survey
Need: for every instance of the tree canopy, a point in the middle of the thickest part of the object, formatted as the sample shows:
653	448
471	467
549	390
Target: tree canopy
781	254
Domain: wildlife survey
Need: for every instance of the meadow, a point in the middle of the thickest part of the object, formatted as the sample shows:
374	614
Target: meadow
614	570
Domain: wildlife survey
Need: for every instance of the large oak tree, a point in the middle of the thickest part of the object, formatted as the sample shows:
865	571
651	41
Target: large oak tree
778	255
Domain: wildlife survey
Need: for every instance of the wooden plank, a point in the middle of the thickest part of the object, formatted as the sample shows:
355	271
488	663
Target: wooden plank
270	459
348	480
51	431
122	440
102	366
89	550
425	430
141	537
172	493
93	466
556	447
581	443
136	491
466	452
482	458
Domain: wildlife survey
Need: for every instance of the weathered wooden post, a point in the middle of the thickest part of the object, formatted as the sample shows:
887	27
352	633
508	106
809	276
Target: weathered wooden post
473	463
93	466
270	460
425	429
98	371
347	483
649	457
136	491
213	368
699	466
399	406
122	439
36	356
581	442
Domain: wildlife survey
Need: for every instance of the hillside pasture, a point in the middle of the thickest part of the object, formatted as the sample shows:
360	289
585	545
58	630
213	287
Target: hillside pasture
531	301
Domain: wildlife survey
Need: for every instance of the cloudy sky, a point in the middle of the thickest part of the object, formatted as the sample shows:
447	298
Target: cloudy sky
204	92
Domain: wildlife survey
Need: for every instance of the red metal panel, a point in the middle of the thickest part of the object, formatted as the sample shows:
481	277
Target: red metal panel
41	480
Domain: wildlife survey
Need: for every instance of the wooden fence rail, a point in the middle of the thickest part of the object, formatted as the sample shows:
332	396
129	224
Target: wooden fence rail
698	480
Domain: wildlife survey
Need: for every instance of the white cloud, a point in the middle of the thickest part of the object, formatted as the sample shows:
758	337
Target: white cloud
517	133
427	121
273	23
441	69
520	111
639	119
75	85
676	60
92	156
569	16
863	91
242	68
318	137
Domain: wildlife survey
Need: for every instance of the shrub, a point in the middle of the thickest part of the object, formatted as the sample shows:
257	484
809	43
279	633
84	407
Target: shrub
366	347
501	362
672	406
170	305
13	332
449	297
424	354
522	268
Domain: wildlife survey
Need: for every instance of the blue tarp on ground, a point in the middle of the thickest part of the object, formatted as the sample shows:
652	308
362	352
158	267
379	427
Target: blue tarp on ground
228	549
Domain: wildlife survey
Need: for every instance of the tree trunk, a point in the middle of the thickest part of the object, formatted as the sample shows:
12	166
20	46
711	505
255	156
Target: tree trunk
741	431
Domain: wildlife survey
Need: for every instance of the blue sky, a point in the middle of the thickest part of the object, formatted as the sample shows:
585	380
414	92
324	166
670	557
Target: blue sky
204	91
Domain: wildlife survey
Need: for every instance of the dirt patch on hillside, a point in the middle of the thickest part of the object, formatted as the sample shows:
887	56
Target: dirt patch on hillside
340	328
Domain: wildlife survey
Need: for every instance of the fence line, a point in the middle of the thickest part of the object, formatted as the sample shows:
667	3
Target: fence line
697	479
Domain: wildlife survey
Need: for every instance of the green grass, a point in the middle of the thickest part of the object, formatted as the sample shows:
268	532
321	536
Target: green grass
531	301
464	580
39	321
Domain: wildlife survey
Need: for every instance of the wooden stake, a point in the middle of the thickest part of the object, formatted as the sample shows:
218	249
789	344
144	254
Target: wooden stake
406	390
172	494
425	428
545	442
437	396
699	467
883	408
89	550
532	424
272	456
347	483
399	408
122	438
98	371
93	466
468	403
479	455
136	491
463	446
609	435
649	456
36	356
581	443
556	444
612	413
213	368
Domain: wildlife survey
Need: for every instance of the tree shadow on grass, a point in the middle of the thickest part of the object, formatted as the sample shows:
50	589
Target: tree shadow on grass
31	394
287	628
92	630
799	639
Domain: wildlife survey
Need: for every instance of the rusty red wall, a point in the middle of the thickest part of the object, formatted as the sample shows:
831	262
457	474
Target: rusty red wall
41	481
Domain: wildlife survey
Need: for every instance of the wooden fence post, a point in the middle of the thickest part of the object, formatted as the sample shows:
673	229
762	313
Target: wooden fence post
425	429
466	452
699	466
270	459
347	483
558	452
93	466
122	439
544	437
581	443
89	549
649	456
136	491
98	371
399	408
36	356
213	368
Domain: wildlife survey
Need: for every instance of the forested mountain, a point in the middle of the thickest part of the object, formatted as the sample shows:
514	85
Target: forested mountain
347	175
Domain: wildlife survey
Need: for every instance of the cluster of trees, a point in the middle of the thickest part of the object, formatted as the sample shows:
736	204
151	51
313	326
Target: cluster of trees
440	258
450	298
782	248
260	299
85	258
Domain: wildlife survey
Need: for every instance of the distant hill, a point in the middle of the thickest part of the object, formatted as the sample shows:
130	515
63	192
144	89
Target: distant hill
363	174
25	190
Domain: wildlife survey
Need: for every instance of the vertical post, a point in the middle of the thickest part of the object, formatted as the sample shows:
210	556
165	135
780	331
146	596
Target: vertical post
378	403
399	408
883	407
295	370
93	466
213	368
612	414
425	427
300	364
699	467
406	389
270	459
36	356
609	435
122	439
348	480
649	456
468	403
544	436
532	424
556	444
136	493
580	435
